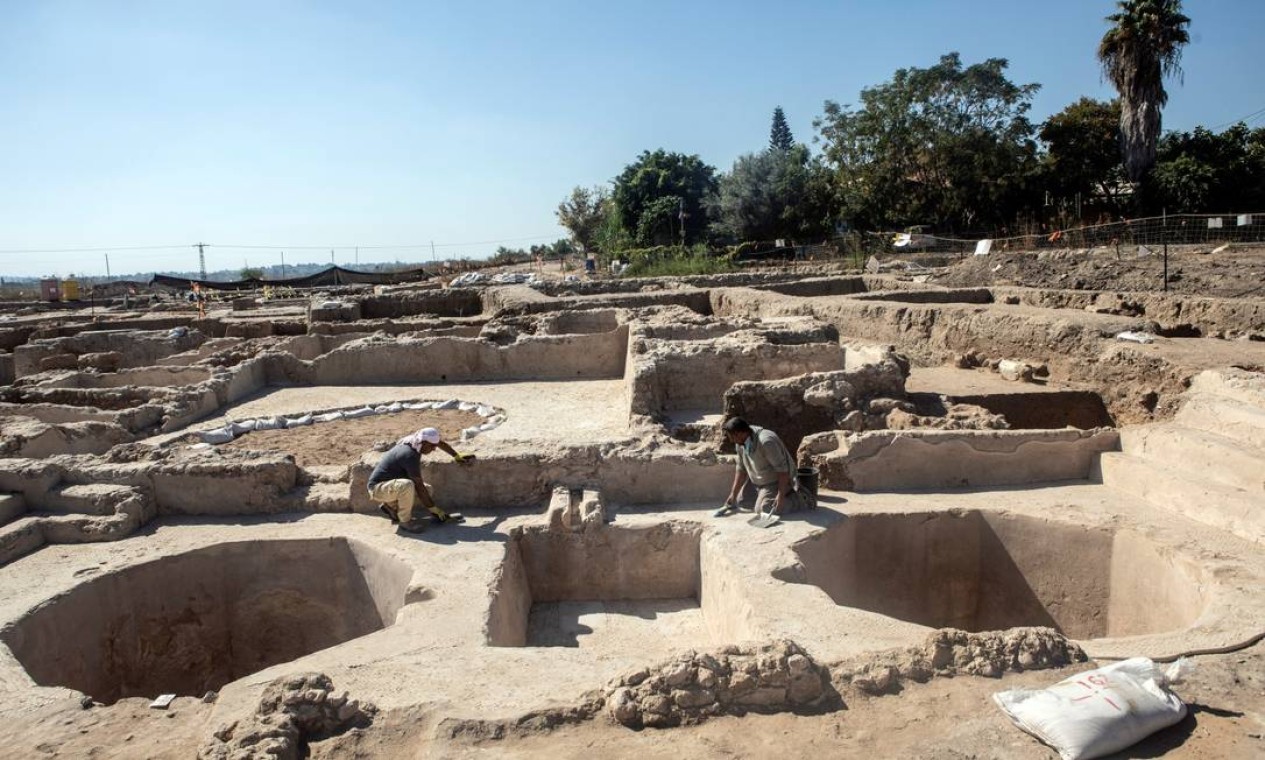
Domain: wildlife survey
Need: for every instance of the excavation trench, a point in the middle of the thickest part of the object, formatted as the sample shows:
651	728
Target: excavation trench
191	623
977	572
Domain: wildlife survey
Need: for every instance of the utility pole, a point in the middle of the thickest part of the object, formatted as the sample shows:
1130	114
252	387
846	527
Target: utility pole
331	255
357	255
201	260
283	265
432	251
107	266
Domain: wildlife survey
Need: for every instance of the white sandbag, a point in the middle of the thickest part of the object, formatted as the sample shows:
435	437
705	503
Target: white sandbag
469	433
395	407
270	423
328	417
217	436
467	406
485	427
241	426
1136	337
483	410
451	403
352	414
293	422
381	409
1100	711
420	405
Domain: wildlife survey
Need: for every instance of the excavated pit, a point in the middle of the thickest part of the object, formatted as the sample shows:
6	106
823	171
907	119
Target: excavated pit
980	572
609	589
190	623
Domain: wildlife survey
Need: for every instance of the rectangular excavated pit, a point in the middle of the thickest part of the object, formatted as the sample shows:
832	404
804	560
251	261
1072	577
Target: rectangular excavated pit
979	572
610	589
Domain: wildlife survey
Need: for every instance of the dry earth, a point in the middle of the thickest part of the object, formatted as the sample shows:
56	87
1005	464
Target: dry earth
1232	273
343	442
945	719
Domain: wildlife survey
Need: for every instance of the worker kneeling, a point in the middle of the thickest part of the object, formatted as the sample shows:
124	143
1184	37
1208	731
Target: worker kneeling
396	483
764	461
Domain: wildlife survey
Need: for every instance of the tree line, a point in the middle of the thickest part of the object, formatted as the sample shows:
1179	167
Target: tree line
950	147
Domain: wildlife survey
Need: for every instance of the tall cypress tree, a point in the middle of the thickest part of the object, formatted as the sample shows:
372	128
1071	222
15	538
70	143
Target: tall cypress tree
780	137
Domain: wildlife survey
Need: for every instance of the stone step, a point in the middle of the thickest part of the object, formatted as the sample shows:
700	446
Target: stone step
87	499
1228	417
1222	506
12	506
1201	454
19	538
1232	383
319	497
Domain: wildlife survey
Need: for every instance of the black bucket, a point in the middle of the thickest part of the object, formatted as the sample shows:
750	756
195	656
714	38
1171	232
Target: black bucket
807	479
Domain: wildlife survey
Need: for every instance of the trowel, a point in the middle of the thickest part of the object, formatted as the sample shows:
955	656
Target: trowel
763	520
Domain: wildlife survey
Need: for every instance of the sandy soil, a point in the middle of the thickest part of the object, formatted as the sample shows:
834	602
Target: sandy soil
343	442
947	718
1235	272
944	719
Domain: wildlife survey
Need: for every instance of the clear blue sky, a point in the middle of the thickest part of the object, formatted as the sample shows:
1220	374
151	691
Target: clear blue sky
292	123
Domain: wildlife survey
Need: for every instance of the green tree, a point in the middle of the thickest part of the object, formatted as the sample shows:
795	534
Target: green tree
251	273
656	176
773	194
780	137
1204	171
1143	46
1083	151
583	213
947	145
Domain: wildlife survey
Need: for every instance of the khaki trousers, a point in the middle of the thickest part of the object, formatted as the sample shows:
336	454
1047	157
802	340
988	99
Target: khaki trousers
399	492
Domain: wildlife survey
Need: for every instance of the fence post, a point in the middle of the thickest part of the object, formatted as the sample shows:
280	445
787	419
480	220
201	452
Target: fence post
1164	237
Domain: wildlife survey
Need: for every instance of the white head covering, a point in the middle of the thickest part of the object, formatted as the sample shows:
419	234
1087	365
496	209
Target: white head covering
425	435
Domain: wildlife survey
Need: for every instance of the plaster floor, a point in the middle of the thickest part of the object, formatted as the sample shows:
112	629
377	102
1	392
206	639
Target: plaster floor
656	627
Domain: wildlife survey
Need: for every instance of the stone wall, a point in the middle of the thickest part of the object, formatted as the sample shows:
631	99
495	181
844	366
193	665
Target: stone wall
902	460
407	360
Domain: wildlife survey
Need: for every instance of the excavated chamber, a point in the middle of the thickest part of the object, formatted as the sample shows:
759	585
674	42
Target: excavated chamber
642	582
979	572
190	623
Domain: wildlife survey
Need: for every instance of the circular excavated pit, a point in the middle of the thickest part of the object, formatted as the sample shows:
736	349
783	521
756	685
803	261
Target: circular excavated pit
611	589
190	623
980	572
343	442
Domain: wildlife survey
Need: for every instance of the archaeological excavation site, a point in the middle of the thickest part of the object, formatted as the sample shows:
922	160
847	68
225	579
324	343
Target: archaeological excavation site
1011	484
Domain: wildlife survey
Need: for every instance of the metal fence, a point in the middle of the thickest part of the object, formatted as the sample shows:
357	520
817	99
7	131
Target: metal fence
1176	229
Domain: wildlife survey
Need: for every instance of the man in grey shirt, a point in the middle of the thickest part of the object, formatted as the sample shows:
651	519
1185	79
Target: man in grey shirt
764	461
396	483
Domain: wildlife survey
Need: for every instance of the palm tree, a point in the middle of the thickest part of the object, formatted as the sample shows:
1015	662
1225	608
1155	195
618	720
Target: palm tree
1143	46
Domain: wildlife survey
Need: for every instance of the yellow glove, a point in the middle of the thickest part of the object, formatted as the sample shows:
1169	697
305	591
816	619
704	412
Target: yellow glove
464	458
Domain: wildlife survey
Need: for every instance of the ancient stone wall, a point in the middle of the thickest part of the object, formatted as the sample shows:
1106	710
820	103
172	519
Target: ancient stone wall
895	460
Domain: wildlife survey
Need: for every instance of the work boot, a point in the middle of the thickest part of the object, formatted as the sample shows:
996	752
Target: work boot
391	514
412	526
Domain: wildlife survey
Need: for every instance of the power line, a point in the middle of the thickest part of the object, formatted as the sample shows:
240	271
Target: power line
414	246
1245	119
108	249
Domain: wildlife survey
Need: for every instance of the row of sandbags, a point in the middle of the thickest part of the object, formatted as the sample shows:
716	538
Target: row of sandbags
492	418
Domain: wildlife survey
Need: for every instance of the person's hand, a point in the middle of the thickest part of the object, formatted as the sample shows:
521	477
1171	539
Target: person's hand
464	458
777	503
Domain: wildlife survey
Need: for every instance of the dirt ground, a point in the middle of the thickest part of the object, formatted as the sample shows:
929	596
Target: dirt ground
1235	272
343	442
946	719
